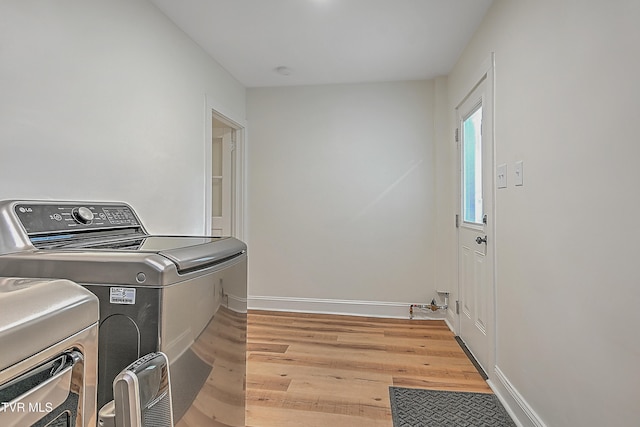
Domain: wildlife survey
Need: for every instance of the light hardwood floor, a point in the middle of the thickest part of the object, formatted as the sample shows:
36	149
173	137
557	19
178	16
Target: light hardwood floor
309	370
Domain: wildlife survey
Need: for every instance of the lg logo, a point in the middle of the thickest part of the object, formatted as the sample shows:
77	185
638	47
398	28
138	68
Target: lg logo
25	210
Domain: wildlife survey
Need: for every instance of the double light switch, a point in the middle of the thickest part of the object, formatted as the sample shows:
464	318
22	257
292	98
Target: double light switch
501	175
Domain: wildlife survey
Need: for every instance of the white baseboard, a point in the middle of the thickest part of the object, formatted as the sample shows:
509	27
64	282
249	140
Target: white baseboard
235	303
452	321
398	310
514	403
451	328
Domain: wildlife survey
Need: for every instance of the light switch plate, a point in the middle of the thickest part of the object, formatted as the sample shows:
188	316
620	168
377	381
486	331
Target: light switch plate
519	180
501	176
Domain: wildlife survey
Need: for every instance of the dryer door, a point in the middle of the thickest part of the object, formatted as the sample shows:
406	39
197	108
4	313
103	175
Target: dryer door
43	394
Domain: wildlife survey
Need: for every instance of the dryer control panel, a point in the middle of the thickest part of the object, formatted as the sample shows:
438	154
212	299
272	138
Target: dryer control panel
44	218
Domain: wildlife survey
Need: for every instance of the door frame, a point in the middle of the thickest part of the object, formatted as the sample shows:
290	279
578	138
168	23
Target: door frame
485	74
239	178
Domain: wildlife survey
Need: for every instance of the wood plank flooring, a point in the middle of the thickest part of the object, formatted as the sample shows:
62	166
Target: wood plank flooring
332	371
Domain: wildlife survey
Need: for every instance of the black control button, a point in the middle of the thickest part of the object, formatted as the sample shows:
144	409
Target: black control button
83	215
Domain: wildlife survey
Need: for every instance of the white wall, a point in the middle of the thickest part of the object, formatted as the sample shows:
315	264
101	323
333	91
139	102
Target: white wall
341	192
568	293
104	100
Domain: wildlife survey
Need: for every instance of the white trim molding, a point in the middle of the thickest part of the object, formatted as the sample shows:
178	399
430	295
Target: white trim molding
235	303
234	121
521	412
398	310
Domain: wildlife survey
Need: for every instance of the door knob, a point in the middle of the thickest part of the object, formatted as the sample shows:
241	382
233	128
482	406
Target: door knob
480	240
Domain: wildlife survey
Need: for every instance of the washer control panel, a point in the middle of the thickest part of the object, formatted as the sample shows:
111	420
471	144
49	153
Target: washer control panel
83	215
40	218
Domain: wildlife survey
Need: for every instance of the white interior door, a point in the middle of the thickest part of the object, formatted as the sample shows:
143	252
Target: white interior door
475	231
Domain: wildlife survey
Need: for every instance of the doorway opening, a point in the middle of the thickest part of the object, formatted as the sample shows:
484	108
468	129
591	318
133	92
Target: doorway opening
224	176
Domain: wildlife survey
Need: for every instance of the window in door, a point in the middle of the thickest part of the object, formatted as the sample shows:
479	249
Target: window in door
472	199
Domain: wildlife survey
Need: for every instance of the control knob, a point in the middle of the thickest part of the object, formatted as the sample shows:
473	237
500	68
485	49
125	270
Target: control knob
83	215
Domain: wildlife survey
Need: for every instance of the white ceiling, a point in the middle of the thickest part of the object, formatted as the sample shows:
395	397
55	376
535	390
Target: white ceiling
329	41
